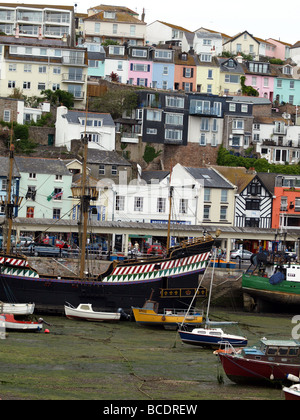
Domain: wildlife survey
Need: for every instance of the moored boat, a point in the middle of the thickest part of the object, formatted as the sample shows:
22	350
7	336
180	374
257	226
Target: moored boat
84	311
17	308
269	363
150	315
12	324
211	337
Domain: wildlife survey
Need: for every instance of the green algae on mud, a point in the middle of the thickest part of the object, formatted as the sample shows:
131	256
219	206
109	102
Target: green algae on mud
123	361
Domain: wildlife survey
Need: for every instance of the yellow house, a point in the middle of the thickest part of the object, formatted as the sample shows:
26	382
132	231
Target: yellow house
230	76
243	43
32	65
208	75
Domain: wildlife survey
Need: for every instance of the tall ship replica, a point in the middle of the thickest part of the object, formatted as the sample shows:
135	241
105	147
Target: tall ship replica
172	278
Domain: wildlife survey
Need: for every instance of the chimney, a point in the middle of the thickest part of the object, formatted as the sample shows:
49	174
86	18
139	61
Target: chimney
239	58
143	15
64	38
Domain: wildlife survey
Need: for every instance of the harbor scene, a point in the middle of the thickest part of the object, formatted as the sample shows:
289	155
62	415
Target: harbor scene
150	216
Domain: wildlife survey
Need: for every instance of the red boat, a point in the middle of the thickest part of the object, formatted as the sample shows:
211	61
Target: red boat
12	324
269	363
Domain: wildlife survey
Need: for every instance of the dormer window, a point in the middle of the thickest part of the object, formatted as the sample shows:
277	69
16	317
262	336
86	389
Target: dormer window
230	63
184	57
287	70
110	15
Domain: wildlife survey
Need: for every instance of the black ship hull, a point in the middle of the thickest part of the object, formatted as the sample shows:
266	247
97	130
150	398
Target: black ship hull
173	282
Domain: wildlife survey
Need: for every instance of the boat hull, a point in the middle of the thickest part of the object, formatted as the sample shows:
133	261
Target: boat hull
188	337
150	318
88	315
292	393
17	308
50	294
124	285
242	370
266	296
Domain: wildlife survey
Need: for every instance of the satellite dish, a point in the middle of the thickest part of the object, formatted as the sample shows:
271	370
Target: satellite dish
286	116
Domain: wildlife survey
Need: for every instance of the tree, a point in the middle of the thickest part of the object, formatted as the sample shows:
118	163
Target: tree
59	97
115	102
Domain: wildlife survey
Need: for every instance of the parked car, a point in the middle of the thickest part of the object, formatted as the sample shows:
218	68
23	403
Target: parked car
156	249
58	243
45	250
241	254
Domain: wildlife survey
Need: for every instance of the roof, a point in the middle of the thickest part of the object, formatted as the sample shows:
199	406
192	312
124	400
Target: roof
4	168
73	117
154	176
209	177
120	17
240	34
44	42
41	166
106	157
237	69
110	8
179	28
268	180
255	100
37	6
238	176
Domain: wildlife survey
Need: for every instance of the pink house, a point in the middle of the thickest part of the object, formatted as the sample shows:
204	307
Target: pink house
282	50
140	73
261	76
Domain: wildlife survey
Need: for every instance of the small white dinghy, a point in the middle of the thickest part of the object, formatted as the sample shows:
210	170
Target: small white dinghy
17	308
85	312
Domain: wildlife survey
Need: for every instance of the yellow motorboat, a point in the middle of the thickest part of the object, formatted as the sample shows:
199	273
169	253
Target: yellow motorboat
169	319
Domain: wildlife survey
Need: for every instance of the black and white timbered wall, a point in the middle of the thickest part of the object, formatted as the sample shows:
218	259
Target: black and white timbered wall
253	207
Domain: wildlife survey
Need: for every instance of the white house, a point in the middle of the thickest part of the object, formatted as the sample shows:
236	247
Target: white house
73	125
208	43
161	32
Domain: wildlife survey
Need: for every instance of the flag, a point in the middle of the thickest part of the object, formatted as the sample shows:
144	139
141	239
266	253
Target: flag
50	196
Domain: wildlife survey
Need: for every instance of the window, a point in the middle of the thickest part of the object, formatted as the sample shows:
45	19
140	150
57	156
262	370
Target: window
153	115
238	124
58	192
279	83
114	170
31	193
252	204
161	205
140	67
56	213
41	86
232	78
224	196
56	86
183	206
138	203
12	67
139	53
209	89
223	213
206	194
120	202
28	50
6	115
101	169
244	108
214	125
292	84
30	212
116	50
97	27
27	68
56	70
266	82
32	175
283	203
254	81
26	85
206	213
43	51
174	102
4	185
152	131
202	139
132	30
174	119
115	28
204	124
165	71
164	54
42	69
171	134
210	74
232	107
206	58
11	84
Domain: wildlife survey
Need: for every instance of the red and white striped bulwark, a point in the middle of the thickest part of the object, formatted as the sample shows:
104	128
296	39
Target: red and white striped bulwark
146	268
14	261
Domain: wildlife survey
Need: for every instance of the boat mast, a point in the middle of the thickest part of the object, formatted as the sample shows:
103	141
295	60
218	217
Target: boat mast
84	201
8	204
170	208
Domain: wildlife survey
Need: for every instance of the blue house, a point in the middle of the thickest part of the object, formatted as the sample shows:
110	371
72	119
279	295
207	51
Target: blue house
163	68
286	87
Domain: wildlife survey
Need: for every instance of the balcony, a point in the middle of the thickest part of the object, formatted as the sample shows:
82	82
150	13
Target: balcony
73	61
130	138
198	110
73	78
281	130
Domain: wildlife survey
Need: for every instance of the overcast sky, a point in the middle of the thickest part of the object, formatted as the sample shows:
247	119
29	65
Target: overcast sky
261	18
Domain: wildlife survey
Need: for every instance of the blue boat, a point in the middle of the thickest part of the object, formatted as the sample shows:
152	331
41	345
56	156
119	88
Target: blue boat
211	337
